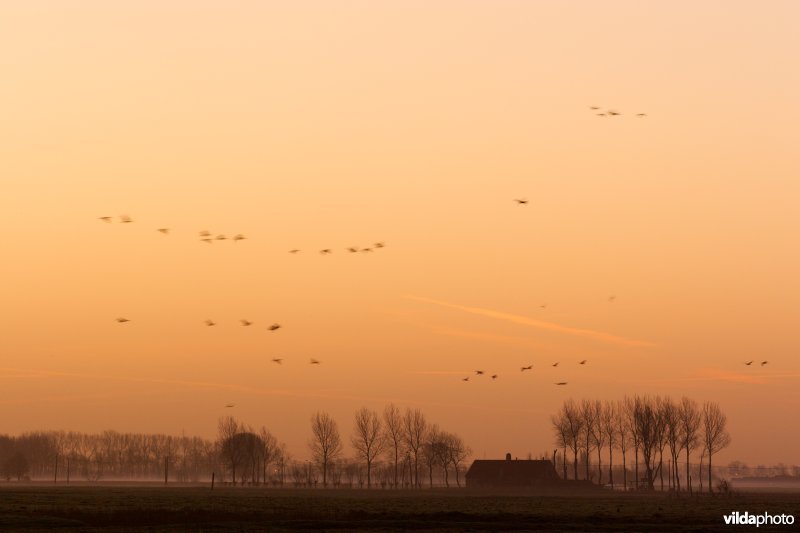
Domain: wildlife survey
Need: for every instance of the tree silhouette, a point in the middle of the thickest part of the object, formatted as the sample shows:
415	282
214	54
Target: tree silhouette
325	444
367	438
715	433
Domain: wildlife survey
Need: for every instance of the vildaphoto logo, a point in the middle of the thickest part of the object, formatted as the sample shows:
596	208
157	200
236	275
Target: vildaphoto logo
765	519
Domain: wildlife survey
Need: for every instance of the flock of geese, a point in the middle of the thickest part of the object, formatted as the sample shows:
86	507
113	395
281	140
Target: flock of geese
523	369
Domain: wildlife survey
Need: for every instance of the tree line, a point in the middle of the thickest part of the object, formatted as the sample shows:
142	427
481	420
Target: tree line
648	427
393	448
398	445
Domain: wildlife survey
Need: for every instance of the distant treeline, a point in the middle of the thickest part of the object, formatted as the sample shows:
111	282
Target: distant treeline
648	428
393	449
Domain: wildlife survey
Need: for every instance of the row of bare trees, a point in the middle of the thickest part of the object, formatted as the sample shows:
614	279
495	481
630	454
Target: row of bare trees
402	438
61	455
647	426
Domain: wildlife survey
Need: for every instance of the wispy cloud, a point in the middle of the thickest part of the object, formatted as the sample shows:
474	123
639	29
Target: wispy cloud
756	378
536	323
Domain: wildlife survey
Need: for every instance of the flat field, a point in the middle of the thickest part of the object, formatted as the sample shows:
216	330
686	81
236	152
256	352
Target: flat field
125	508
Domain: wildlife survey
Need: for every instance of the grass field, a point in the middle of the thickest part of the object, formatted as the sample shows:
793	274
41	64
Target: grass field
120	508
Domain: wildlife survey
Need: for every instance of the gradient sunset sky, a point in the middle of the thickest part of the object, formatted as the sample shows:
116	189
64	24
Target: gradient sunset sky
315	124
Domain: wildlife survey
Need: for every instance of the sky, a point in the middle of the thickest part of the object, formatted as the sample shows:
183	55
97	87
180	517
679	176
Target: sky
311	125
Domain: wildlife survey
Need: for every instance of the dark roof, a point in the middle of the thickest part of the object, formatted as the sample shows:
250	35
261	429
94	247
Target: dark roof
512	473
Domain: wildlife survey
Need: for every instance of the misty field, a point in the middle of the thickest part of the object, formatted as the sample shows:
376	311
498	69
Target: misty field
121	508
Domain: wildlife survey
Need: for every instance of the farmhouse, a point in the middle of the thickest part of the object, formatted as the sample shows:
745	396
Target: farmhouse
512	474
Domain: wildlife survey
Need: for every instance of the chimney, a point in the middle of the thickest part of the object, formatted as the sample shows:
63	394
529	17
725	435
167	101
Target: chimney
508	457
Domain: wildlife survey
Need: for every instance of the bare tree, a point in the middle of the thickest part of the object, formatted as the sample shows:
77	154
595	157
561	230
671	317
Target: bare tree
608	416
690	427
623	437
414	425
674	436
393	434
326	444
562	436
227	428
573	423
588	415
715	433
598	436
457	452
367	438
433	453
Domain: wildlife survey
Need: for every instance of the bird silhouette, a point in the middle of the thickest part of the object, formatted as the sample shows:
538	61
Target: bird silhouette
220	237
641	114
273	327
106	219
205	233
614	113
125	219
764	363
612	298
524	368
352	249
494	376
278	360
543	306
561	383
293	251
479	372
594	108
227	405
521	201
238	237
465	379
122	320
208	240
325	251
582	362
380	245
314	362
210	323
555	364
750	362
246	322
601	115
165	231
366	250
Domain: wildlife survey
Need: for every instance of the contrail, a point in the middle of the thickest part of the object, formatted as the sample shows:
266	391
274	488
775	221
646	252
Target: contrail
541	324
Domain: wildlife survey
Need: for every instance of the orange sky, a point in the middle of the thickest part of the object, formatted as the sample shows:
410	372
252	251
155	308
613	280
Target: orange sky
332	124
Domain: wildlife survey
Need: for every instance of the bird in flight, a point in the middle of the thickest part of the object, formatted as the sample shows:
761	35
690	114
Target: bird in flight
380	245
230	405
278	360
612	298
494	376
521	201
594	108
125	219
238	237
524	368
613	113
273	327
325	251
366	250
479	372
165	231
220	237
582	362
208	240
352	249
210	323
555	364
641	114
543	306
602	115
293	251
314	362
246	322
122	320
764	363
465	379
750	362
205	233
561	383
106	219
